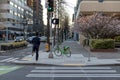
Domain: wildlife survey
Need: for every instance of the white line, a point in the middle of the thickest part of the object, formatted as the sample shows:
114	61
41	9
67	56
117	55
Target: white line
73	75
6	59
12	60
77	71
73	68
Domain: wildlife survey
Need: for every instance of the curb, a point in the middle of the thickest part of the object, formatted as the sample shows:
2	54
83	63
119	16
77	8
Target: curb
65	65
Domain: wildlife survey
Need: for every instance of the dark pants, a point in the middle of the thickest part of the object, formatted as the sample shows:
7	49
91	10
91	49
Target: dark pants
36	50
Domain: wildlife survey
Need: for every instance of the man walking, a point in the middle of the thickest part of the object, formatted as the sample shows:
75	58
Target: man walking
36	44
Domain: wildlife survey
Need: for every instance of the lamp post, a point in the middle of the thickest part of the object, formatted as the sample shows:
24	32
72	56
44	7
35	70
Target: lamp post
6	32
6	37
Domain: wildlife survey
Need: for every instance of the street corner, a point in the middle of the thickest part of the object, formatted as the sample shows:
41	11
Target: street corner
94	62
28	58
103	62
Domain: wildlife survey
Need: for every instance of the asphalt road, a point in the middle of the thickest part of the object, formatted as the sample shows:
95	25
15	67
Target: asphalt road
10	71
18	53
62	73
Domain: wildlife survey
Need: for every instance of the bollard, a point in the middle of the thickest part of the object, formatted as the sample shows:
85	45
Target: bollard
47	47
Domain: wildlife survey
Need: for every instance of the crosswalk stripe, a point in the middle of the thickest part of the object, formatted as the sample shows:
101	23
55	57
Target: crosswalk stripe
73	75
12	60
9	59
6	59
67	68
76	71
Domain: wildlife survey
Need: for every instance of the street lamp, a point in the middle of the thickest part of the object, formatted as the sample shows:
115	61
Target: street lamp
6	38
6	32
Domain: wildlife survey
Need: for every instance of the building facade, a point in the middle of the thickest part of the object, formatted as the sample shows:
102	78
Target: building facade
88	7
37	15
14	15
107	7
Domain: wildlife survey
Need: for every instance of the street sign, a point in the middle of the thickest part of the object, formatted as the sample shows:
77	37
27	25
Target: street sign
55	21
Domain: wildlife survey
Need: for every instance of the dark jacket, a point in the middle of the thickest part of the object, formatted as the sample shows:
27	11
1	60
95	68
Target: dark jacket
36	41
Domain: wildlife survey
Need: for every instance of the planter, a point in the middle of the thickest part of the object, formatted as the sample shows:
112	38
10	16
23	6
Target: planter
103	50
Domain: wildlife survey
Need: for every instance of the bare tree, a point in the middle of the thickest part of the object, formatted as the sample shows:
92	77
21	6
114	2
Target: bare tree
64	20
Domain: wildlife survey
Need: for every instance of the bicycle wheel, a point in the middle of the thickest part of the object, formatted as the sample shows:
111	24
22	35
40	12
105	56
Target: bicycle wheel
68	53
57	52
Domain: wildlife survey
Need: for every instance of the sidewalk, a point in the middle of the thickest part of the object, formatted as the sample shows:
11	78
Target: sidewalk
80	57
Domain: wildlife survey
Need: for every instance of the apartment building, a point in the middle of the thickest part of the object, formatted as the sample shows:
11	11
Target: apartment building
37	15
14	15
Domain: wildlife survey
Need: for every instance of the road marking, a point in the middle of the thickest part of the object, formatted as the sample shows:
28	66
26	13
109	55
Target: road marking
6	69
73	75
12	59
73	68
73	72
9	59
6	59
77	71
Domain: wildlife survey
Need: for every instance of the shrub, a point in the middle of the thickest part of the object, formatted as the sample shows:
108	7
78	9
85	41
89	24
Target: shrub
102	44
13	45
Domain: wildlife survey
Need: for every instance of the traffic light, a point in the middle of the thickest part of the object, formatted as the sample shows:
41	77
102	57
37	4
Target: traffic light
50	5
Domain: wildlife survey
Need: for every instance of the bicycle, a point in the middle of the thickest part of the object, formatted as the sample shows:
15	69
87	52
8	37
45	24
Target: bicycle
62	51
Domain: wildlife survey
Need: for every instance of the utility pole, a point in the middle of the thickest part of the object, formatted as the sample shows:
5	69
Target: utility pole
50	9
6	37
58	28
54	33
48	32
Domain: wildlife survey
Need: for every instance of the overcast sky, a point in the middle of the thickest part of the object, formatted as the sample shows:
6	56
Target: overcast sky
69	5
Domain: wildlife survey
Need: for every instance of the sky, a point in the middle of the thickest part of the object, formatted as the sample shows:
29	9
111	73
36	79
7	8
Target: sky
69	5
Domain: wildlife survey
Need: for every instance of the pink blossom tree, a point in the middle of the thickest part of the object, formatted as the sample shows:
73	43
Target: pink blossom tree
97	26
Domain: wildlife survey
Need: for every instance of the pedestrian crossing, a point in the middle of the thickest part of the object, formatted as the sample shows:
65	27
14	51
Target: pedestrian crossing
11	59
73	72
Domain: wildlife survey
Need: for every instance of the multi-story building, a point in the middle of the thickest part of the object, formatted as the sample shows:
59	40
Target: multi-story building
14	15
37	15
88	7
107	7
76	9
76	13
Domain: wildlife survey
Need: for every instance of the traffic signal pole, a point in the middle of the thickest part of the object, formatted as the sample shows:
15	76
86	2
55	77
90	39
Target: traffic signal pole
48	32
50	6
49	27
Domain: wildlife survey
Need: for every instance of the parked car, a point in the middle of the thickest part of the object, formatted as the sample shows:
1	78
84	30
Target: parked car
29	39
19	39
43	38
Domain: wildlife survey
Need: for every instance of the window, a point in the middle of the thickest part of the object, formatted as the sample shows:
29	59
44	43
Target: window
18	15
11	3
15	13
11	11
15	5
18	7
